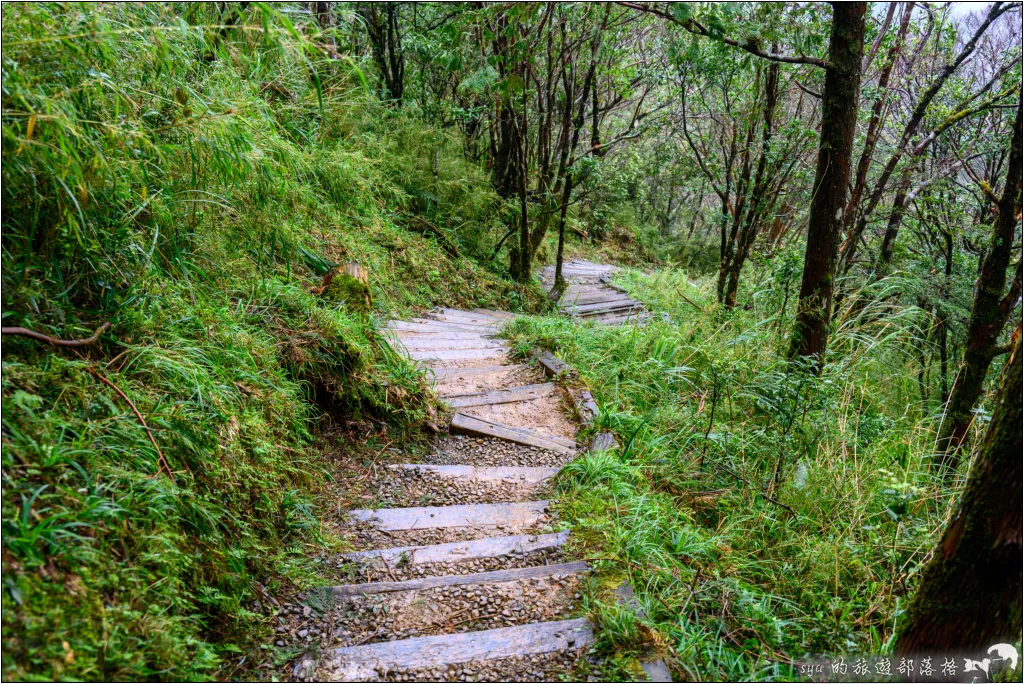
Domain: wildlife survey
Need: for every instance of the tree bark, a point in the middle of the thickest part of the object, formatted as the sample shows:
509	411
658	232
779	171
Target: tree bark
838	127
970	593
992	306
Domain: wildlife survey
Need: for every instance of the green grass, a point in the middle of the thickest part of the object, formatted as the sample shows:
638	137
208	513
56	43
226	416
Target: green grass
791	523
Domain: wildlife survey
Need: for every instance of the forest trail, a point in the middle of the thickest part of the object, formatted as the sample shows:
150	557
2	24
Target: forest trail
461	575
590	294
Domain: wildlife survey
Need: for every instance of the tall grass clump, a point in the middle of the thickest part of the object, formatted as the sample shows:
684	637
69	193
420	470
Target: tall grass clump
187	173
759	512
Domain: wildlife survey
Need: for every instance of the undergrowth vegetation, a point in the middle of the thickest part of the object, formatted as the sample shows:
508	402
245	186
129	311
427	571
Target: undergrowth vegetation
760	514
190	183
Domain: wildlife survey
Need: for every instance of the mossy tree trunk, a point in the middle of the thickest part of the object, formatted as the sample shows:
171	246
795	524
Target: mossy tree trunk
993	305
970	593
838	128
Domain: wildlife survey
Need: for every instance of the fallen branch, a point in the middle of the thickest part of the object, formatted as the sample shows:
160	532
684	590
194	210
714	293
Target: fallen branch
160	455
25	332
689	301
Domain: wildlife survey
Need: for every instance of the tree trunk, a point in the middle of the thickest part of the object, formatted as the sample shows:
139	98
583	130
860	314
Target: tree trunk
386	43
874	130
838	127
757	204
992	306
970	593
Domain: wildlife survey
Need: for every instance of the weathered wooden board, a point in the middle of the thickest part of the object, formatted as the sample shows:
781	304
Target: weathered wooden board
491	577
489	547
432	326
551	364
524	474
504	396
427	344
447	374
500	315
457	354
481	428
564	441
452	320
467	515
361	663
471	319
606	307
583	299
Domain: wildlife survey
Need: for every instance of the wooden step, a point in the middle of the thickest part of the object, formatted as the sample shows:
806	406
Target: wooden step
475	314
489	547
523	474
606	296
364	663
635	316
456	373
564	441
468	425
432	326
500	315
457	354
432	581
503	396
473	319
438	335
455	320
521	514
605	307
477	342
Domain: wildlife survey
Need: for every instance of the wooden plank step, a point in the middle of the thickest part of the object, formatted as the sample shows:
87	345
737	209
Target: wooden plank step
490	577
523	474
503	396
551	364
363	663
429	343
607	295
437	335
635	316
467	515
487	324
605	307
457	373
476	427
432	326
457	354
500	315
474	315
489	547
478	323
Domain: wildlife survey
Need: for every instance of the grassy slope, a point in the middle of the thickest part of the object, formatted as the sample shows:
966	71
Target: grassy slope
193	206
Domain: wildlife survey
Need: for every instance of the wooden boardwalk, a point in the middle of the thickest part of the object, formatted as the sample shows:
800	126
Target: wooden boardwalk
590	294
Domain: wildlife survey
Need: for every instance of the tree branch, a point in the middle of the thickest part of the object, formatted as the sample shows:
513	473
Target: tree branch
25	332
696	28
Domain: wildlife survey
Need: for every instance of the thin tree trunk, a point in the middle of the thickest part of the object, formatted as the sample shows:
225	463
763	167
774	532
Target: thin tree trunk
757	201
992	307
873	131
838	127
